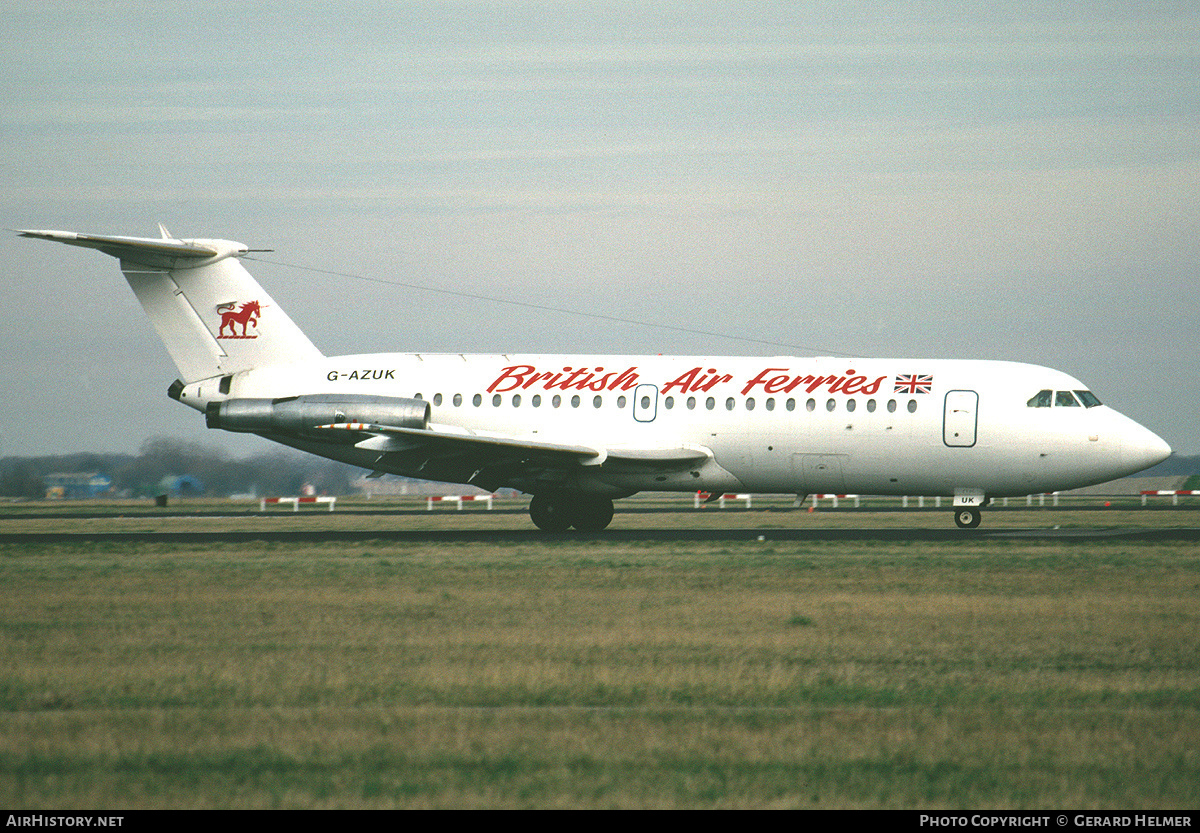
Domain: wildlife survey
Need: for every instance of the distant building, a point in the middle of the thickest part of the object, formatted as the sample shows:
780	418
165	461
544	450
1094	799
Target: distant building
76	485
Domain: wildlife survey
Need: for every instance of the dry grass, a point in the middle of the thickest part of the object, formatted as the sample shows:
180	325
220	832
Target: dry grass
583	674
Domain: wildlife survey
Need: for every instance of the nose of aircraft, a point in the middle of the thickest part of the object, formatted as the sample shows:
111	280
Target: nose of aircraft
1141	448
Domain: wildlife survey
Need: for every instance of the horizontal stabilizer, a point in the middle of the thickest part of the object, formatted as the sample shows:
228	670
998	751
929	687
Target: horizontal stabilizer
146	251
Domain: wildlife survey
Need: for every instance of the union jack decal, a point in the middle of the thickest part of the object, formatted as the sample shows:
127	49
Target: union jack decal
914	383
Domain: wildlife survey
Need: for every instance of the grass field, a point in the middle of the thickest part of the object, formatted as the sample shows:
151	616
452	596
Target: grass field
969	674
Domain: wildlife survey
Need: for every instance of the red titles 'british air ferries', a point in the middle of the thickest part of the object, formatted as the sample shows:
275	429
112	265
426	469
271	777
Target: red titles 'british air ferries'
578	431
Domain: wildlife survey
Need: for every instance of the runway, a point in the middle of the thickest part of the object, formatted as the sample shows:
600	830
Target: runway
533	536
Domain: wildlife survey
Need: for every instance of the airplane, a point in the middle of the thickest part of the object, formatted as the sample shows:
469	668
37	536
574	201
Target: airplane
577	432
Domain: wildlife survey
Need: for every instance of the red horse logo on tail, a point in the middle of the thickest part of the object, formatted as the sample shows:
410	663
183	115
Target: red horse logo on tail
246	316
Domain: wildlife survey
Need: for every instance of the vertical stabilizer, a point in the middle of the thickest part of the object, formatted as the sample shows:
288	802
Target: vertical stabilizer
216	319
211	314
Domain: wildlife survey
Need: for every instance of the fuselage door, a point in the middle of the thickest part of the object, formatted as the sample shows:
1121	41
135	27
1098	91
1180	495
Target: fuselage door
961	418
645	403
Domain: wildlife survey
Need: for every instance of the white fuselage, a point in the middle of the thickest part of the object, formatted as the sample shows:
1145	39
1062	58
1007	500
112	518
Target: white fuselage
781	424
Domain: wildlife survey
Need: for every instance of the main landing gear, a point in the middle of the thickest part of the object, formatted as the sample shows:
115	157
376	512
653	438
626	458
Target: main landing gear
558	512
967	517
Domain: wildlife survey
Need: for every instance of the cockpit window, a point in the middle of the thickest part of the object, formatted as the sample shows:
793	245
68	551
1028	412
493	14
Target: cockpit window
1063	399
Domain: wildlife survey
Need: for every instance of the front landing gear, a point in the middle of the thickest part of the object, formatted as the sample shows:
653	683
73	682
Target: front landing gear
559	512
967	518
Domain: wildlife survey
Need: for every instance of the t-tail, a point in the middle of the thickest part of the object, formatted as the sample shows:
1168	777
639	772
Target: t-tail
213	317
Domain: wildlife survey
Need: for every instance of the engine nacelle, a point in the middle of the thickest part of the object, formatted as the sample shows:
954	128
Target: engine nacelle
302	414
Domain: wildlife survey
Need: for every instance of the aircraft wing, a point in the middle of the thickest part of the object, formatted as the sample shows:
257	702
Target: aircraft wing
436	438
446	451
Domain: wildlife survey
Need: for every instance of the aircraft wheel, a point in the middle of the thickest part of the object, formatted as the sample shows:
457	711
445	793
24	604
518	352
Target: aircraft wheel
592	514
967	518
550	514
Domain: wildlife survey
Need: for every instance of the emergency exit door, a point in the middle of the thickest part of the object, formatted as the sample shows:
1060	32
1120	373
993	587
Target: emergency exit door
961	418
645	403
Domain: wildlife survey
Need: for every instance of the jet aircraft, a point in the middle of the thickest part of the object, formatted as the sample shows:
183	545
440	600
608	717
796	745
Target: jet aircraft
578	431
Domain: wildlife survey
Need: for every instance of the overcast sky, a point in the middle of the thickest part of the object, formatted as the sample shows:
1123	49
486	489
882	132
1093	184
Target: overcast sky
944	180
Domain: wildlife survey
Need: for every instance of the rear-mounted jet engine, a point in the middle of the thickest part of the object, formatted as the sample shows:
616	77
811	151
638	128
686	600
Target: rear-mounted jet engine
301	415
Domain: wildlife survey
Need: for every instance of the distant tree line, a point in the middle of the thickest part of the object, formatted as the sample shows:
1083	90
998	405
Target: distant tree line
1176	465
276	472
